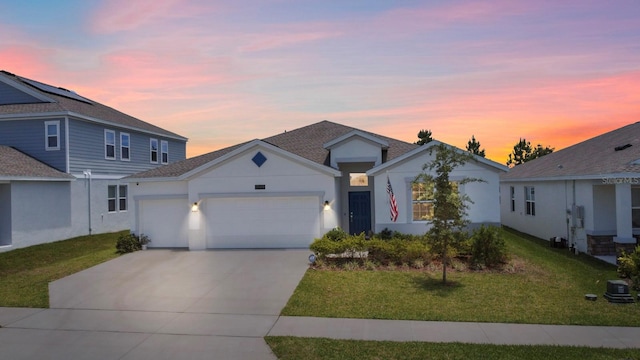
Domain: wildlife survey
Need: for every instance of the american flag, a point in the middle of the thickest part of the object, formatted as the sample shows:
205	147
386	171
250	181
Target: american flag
393	206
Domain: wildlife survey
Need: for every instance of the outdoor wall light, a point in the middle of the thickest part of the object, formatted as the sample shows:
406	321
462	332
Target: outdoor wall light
327	206
194	207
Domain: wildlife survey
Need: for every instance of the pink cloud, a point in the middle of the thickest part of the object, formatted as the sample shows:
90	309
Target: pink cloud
269	41
123	15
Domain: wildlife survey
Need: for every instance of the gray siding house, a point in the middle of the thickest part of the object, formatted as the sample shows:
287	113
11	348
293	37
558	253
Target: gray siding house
62	158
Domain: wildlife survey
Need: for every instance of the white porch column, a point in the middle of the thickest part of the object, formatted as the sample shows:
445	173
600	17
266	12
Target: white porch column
624	225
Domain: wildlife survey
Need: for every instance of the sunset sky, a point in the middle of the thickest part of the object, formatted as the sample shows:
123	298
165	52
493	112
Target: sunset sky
224	72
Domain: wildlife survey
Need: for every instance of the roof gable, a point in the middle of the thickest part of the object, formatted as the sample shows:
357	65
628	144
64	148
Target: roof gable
590	159
59	101
306	144
424	148
16	165
353	134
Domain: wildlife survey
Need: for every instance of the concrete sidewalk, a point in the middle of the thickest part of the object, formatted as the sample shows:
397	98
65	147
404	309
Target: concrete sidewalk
465	332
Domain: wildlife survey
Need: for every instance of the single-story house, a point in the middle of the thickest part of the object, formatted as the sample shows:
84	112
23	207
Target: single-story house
588	194
285	190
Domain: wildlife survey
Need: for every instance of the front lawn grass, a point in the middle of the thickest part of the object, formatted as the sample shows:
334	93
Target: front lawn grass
316	349
549	290
25	273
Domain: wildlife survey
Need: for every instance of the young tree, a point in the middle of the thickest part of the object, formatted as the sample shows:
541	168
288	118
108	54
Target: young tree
424	136
523	152
473	146
449	207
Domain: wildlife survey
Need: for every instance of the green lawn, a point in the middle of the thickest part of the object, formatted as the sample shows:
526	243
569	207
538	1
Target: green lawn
25	273
549	290
315	349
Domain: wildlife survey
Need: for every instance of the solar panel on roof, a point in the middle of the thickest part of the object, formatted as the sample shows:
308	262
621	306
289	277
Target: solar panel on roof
55	90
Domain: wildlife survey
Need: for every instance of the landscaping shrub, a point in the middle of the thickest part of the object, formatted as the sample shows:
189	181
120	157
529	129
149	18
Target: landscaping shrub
127	243
335	234
629	267
488	248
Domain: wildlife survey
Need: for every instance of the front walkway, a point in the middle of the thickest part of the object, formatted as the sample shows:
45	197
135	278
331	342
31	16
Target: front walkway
465	332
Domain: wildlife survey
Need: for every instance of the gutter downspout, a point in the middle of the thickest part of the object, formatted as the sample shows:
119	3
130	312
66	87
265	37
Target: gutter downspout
87	176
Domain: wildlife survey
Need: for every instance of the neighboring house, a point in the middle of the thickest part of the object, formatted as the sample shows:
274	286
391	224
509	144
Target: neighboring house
588	193
62	160
286	190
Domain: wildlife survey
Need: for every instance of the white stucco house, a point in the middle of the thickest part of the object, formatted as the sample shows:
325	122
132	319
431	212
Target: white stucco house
588	193
286	190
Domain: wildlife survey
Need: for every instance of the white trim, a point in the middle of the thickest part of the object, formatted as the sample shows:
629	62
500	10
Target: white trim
100	177
115	199
250	146
356	133
126	198
31	116
408	155
32	178
151	140
162	144
46	135
106	156
319	194
122	158
573	177
66	144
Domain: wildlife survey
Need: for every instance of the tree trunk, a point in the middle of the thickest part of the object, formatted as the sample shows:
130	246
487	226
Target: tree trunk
444	262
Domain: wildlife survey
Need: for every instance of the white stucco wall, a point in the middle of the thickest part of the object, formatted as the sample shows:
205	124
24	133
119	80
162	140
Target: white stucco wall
356	149
485	195
554	202
237	177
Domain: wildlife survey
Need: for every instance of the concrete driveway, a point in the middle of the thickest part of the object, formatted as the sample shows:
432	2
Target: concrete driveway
160	304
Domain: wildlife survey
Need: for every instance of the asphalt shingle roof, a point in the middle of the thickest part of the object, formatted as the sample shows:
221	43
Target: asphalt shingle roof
306	142
91	109
593	157
15	164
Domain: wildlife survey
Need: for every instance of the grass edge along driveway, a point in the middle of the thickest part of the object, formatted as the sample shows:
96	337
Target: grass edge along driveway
289	348
25	273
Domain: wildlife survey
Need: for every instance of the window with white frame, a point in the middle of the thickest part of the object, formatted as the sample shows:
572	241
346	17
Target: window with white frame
153	147
112	198
164	151
635	207
125	147
117	198
422	201
122	197
512	192
52	135
109	144
530	200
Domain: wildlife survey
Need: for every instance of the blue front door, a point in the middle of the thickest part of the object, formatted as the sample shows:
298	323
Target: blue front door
359	212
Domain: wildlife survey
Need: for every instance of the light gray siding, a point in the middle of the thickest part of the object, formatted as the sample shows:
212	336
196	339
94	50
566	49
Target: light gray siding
10	95
87	150
28	136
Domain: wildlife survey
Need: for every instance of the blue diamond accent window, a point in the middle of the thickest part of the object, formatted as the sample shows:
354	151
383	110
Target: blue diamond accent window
259	159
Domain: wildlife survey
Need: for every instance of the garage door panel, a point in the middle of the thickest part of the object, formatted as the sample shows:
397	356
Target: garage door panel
165	222
270	222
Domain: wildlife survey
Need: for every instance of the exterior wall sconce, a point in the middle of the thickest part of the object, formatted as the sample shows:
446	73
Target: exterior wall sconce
194	207
327	206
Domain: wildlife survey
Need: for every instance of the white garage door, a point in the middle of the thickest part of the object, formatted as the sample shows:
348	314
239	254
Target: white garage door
265	222
165	222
